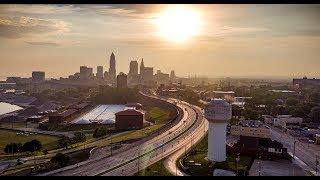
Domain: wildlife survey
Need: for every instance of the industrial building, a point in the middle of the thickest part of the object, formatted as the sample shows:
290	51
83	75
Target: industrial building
61	117
129	119
305	82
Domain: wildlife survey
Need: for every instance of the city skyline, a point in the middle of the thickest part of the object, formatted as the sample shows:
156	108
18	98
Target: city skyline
275	41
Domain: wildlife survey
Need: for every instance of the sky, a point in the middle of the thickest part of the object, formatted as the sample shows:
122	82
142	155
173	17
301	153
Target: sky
280	41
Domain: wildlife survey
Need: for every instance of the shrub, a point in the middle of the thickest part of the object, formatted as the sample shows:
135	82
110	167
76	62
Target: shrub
32	146
64	142
79	137
12	148
60	159
99	132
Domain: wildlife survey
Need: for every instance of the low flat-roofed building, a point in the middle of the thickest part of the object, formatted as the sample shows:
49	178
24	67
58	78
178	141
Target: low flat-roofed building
61	117
36	118
284	120
250	128
129	119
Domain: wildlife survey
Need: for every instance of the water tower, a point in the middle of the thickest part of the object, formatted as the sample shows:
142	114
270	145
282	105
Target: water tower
217	112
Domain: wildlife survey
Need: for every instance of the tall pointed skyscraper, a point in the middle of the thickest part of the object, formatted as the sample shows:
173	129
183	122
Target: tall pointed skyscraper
112	68
141	67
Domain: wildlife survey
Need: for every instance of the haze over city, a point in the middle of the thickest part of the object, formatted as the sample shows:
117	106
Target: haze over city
214	40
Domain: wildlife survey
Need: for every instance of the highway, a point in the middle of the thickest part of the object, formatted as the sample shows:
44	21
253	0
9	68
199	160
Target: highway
171	161
183	134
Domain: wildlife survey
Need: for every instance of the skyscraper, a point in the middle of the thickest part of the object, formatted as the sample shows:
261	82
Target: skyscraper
83	72
133	75
90	73
133	68
172	75
122	81
112	68
142	68
100	72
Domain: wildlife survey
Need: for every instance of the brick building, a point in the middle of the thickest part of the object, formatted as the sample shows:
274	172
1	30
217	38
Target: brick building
129	119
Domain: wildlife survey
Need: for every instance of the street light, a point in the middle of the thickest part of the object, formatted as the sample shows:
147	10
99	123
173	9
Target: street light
111	145
259	166
317	163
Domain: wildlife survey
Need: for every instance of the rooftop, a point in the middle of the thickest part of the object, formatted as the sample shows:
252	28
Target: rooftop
129	112
251	123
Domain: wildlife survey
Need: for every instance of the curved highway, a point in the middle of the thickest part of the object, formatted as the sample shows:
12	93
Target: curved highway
182	134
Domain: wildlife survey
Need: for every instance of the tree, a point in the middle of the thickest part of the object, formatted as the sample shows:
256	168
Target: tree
32	146
251	114
298	111
291	102
12	148
64	142
314	97
79	137
60	159
315	114
99	132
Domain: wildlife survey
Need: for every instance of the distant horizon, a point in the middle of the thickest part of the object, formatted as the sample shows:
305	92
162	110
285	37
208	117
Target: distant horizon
3	78
278	41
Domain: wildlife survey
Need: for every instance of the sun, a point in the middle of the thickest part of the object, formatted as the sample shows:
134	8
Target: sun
178	23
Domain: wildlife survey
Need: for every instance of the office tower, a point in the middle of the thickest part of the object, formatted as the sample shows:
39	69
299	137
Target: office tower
83	72
141	67
100	72
122	81
90	73
106	75
133	75
147	74
38	76
112	68
161	78
172	75
217	112
133	70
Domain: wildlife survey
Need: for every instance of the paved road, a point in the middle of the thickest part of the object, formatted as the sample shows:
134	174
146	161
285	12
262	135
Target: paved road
300	150
142	154
52	133
171	162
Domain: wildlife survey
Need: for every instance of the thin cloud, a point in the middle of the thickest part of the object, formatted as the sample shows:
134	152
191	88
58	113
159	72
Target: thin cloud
43	43
27	26
36	9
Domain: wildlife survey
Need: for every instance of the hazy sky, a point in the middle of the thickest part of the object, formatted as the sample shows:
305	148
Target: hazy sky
234	40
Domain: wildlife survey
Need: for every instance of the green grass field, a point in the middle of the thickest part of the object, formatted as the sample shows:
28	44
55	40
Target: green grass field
157	115
157	169
8	136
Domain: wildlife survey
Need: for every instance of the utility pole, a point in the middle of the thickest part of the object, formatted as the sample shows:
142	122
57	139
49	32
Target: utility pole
111	145
317	163
294	148
138	163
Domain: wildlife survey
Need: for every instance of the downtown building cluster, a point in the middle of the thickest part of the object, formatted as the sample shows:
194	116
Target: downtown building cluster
136	76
